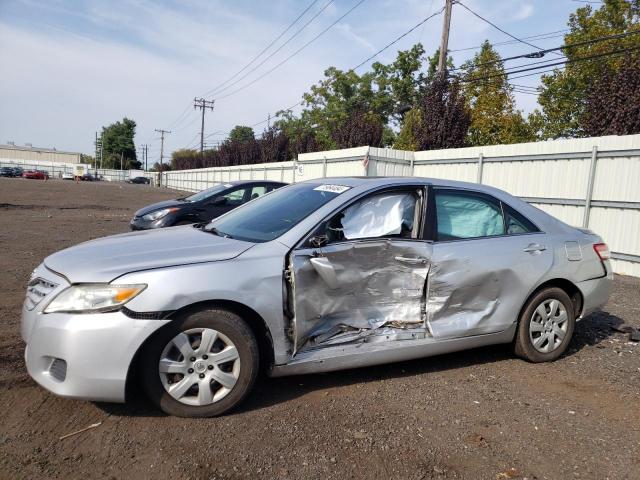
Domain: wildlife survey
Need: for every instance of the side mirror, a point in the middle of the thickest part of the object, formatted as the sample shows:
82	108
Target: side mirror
318	241
218	201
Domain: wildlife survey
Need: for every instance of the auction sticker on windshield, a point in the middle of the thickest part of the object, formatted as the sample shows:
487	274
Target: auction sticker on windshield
332	188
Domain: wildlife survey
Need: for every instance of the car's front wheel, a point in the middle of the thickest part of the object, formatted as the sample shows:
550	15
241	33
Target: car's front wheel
202	365
545	326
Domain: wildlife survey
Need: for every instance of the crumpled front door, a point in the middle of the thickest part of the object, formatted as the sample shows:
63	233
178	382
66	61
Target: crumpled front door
359	285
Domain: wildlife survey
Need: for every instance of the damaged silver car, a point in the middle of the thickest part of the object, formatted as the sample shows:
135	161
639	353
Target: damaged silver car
314	277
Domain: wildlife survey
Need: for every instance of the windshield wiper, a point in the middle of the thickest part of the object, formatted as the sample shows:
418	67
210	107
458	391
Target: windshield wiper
217	232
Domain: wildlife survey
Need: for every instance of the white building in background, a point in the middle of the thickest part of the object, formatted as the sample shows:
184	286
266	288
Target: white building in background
29	153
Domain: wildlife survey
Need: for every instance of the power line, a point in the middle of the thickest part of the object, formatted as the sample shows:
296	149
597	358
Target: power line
422	22
541	53
365	61
562	62
540	36
210	92
293	54
267	47
497	27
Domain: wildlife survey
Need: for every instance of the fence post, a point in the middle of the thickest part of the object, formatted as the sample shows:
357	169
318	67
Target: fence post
480	166
592	175
295	169
412	165
324	167
265	172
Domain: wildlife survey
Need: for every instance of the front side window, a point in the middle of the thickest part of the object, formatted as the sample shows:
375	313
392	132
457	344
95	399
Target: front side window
390	214
461	215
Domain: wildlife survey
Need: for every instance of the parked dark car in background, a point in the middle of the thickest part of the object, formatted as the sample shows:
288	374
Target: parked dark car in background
87	177
6	172
142	180
202	206
36	174
18	171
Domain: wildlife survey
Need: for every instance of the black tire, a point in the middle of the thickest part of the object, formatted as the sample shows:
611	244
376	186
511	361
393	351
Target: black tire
523	346
225	322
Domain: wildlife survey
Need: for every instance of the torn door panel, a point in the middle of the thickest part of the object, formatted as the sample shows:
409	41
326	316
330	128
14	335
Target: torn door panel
355	288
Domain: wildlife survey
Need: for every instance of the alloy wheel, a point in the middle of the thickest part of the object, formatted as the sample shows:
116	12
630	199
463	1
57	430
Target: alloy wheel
548	325
199	366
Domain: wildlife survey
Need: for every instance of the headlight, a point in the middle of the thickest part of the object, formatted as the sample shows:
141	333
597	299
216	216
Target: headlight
93	297
159	214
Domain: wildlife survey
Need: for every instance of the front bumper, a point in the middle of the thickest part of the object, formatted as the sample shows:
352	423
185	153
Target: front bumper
84	356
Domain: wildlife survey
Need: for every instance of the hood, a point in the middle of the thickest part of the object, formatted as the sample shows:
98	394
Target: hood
106	258
157	206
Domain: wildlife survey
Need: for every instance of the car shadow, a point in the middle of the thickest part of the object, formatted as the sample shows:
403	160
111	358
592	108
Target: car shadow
267	392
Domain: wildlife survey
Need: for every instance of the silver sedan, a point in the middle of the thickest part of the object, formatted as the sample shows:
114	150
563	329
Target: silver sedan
318	276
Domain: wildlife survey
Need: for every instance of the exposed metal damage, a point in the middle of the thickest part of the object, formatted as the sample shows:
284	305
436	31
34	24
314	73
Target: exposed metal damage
349	292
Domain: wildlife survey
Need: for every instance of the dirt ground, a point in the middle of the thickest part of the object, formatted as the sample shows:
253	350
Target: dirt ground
476	414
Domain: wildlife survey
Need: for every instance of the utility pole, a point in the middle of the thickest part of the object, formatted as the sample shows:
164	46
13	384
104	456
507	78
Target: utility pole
162	133
146	156
202	104
444	41
98	144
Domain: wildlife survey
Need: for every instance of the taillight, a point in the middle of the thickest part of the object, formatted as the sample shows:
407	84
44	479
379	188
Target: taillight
602	250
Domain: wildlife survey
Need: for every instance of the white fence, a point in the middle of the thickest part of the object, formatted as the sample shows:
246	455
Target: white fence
57	169
588	182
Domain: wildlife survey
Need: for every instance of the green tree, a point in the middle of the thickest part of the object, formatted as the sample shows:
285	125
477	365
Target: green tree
332	101
407	137
241	133
564	92
88	159
117	143
494	118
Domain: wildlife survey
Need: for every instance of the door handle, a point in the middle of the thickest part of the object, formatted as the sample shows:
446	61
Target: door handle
412	260
534	248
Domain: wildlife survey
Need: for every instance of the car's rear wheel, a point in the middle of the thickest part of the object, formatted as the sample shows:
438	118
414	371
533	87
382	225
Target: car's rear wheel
545	326
202	365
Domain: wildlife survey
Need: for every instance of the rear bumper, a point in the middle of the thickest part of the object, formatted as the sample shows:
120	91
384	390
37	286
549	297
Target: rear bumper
595	292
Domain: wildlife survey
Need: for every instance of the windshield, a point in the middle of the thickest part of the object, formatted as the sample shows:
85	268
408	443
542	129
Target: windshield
209	192
274	214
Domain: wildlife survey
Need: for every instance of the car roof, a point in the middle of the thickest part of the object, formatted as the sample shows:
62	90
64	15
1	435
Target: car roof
382	181
246	182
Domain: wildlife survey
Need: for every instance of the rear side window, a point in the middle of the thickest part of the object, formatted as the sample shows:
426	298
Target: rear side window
462	215
235	197
258	191
516	223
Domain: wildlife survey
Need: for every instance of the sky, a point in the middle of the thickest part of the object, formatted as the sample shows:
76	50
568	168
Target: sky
69	67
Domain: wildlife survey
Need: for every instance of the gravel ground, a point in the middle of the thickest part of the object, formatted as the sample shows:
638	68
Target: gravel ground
476	414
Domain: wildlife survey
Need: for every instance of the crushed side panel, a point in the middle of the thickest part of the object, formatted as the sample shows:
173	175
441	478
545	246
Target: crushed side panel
372	289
